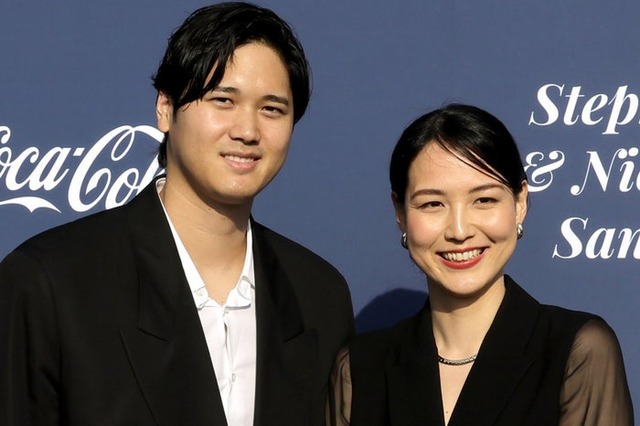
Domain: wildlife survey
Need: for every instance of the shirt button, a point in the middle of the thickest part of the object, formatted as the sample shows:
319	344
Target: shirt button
226	311
200	291
233	377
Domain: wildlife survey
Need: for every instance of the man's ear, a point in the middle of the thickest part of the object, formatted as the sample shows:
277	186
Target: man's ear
164	112
401	216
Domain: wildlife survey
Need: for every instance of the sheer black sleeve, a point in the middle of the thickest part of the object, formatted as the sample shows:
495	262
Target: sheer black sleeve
339	403
595	390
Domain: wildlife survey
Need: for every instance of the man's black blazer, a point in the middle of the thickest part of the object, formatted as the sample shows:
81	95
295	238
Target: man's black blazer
98	327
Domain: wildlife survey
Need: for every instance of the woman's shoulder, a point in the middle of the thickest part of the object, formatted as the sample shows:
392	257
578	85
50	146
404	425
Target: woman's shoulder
373	350
595	342
385	337
563	323
595	389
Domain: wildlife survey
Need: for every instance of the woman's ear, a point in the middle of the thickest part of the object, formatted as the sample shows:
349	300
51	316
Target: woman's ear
522	202
401	216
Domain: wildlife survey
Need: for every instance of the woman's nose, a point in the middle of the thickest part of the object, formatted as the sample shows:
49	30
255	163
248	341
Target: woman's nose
459	225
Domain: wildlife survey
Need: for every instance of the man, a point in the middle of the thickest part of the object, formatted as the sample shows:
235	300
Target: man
178	308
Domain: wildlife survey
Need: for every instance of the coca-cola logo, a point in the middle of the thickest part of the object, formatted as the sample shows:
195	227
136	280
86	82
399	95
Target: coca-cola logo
93	176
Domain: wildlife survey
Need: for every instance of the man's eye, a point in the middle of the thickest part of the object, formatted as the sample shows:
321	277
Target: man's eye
274	110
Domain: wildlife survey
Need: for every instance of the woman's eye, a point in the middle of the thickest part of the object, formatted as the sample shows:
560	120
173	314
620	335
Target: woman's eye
485	200
431	205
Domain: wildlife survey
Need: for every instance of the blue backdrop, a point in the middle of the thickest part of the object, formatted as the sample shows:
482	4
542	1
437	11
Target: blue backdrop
77	135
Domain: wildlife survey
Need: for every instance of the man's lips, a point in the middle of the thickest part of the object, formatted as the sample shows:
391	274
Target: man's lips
241	161
241	158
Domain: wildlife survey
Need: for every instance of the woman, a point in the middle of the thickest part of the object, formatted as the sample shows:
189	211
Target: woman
482	351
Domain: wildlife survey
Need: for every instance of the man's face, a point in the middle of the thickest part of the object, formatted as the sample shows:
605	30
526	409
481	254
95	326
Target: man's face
226	147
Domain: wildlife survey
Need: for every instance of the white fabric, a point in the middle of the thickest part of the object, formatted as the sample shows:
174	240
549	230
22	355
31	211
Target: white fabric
230	332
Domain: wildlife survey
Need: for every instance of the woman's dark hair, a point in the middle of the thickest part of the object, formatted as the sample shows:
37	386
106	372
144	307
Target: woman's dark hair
470	133
209	37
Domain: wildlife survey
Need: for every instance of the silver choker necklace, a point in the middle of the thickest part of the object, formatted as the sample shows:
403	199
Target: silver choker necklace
463	361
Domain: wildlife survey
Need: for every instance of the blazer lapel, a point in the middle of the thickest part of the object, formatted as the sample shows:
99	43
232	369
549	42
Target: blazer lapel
502	361
286	351
167	348
413	378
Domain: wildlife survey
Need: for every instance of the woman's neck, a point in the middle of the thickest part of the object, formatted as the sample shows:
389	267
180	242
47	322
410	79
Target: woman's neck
460	324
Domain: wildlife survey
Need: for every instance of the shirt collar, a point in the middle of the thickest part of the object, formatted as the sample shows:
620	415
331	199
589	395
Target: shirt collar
241	295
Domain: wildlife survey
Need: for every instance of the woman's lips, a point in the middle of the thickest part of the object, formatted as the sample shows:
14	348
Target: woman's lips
462	259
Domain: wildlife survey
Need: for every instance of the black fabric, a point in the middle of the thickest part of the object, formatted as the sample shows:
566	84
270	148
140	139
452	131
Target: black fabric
98	327
515	380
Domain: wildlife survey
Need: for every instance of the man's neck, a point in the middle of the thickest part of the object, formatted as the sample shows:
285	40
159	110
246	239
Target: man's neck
213	235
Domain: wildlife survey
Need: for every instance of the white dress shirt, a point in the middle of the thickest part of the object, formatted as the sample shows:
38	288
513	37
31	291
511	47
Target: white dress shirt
230	332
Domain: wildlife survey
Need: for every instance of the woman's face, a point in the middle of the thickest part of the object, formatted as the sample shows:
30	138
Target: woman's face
460	223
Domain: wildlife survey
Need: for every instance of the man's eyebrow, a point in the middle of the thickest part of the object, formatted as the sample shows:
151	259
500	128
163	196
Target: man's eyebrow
234	90
275	98
225	89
